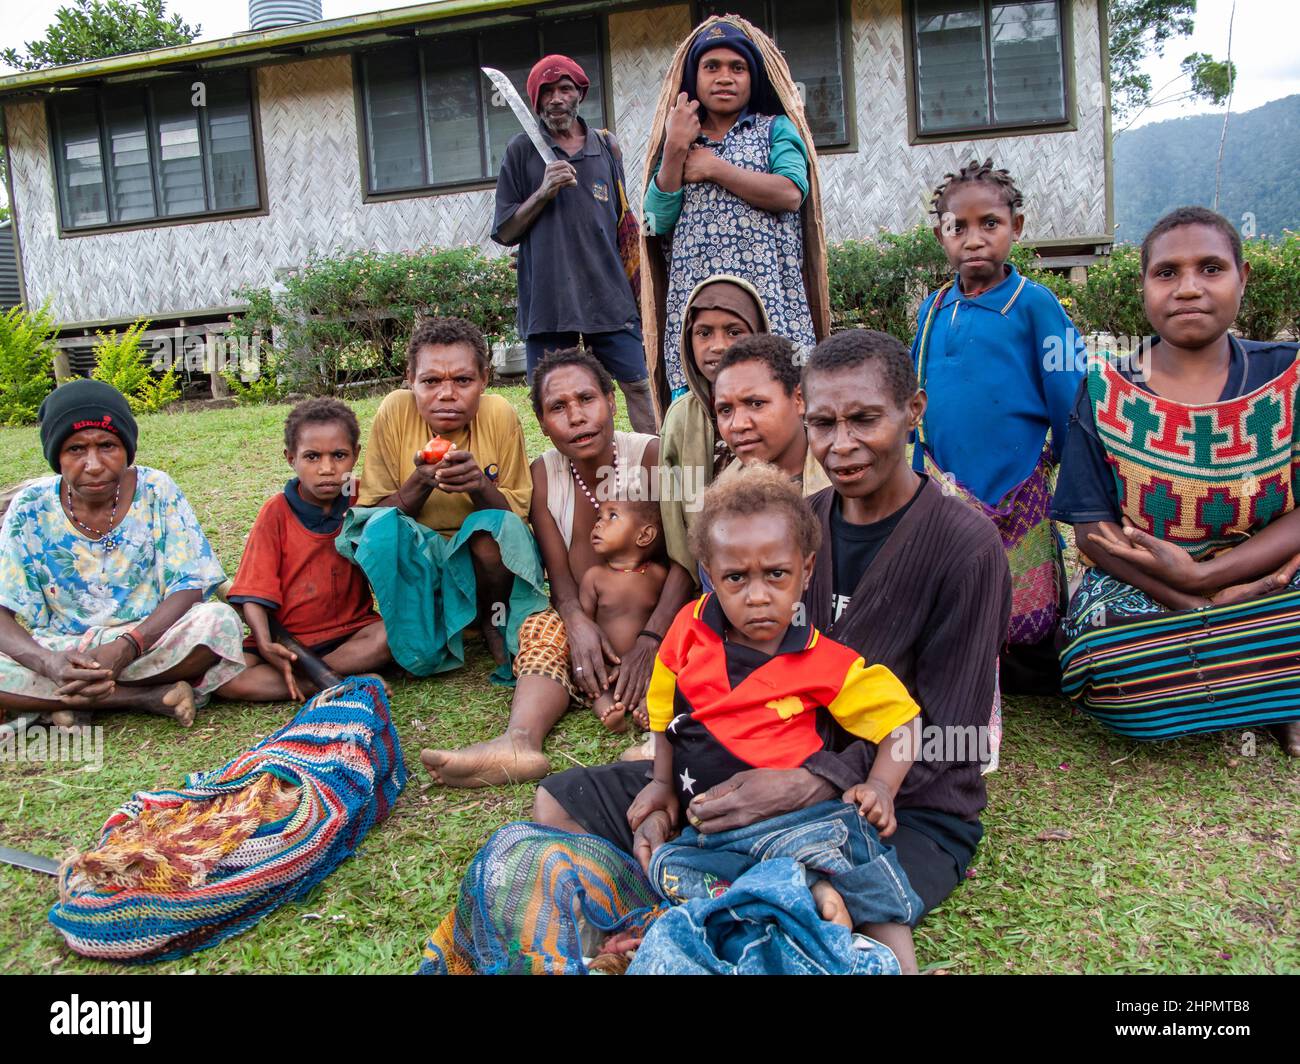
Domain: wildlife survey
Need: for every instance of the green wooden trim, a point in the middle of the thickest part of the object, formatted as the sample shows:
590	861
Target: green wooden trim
1108	150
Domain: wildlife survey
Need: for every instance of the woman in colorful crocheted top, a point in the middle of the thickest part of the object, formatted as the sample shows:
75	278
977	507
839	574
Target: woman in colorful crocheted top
104	573
1179	477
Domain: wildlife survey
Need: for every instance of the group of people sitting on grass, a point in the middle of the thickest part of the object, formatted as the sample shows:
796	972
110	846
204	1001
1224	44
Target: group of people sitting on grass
828	556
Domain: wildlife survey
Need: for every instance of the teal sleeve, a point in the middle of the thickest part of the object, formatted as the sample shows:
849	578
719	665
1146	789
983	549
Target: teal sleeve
662	209
787	155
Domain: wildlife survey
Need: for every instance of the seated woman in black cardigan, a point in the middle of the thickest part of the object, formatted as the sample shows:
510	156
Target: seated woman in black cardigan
908	577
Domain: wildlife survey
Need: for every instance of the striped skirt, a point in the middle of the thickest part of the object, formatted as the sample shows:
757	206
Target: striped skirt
1149	673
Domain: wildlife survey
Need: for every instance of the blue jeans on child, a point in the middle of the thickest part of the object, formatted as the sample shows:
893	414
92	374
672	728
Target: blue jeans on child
830	840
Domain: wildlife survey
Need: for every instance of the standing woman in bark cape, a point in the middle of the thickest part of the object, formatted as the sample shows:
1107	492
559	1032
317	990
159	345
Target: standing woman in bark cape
731	187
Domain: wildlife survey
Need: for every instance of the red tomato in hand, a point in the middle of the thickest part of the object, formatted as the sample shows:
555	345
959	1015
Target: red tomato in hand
436	450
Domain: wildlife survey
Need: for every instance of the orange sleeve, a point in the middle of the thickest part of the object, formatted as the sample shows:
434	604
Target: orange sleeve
259	569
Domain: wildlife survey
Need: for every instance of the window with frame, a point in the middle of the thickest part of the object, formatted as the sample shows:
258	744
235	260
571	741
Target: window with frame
988	65
143	153
433	120
812	35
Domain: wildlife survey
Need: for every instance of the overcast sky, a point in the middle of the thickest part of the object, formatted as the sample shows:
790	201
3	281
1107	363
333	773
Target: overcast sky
1264	40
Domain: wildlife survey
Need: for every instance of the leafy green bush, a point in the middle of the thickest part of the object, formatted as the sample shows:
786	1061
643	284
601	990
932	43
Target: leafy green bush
879	284
347	317
119	361
1269	294
1272	300
26	363
1111	299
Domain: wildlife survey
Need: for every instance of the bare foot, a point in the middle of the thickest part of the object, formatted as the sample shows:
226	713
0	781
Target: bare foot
641	752
379	680
830	906
176	702
1288	737
71	718
490	764
496	643
613	719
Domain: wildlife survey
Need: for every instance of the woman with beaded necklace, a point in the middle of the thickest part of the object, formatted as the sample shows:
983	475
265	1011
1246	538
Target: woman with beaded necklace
104	573
562	653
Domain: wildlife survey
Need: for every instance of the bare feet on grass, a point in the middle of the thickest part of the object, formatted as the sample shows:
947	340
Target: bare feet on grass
176	701
830	906
615	720
71	718
644	751
505	759
495	643
1288	737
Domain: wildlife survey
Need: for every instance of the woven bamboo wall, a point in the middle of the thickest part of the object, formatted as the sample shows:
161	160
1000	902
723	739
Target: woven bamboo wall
309	143
313	181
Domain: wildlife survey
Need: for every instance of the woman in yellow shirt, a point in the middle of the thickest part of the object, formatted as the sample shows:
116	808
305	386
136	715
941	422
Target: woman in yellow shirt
486	470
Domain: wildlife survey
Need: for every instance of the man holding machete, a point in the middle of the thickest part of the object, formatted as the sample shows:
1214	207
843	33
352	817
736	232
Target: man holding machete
557	198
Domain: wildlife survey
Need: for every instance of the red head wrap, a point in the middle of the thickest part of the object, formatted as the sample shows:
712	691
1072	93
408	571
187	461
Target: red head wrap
549	69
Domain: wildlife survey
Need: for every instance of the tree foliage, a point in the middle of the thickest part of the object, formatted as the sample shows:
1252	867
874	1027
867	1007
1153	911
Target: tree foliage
1142	28
94	29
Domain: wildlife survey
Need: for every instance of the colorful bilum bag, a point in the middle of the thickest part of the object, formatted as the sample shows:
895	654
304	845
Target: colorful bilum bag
182	870
1023	521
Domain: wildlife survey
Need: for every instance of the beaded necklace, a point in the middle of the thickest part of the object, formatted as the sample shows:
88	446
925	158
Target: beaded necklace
106	538
583	485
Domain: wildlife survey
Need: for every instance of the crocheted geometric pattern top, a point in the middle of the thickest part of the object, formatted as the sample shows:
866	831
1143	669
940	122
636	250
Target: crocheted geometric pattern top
1201	476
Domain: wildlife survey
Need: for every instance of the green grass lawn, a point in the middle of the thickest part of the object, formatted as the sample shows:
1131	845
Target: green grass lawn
1176	857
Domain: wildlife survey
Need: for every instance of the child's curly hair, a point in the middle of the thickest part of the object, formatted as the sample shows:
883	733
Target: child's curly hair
977	171
321	411
644	510
754	489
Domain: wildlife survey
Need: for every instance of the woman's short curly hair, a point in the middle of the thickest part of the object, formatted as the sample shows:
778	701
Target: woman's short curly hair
754	489
441	332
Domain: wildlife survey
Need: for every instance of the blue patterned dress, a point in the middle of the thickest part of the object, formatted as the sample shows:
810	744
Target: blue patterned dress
70	592
718	232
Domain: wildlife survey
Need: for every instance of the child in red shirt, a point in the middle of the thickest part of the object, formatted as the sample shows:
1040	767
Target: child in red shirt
291	567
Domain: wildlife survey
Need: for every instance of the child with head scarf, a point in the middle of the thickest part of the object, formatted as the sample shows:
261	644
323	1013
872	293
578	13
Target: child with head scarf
720	311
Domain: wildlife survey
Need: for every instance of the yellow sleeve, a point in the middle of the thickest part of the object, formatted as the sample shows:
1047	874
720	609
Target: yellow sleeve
513	478
380	469
660	695
872	702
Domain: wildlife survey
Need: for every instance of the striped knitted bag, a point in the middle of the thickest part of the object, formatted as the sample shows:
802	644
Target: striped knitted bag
538	901
181	870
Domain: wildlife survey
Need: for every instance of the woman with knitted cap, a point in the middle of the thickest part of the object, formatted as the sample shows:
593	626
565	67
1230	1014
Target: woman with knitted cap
104	573
731	187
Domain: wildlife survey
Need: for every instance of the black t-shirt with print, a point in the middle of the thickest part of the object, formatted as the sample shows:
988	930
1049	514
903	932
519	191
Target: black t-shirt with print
854	548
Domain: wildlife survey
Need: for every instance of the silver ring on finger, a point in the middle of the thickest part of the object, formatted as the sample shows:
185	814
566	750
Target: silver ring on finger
577	668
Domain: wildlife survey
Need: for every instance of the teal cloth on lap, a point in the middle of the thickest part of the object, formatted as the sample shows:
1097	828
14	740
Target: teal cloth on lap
426	587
